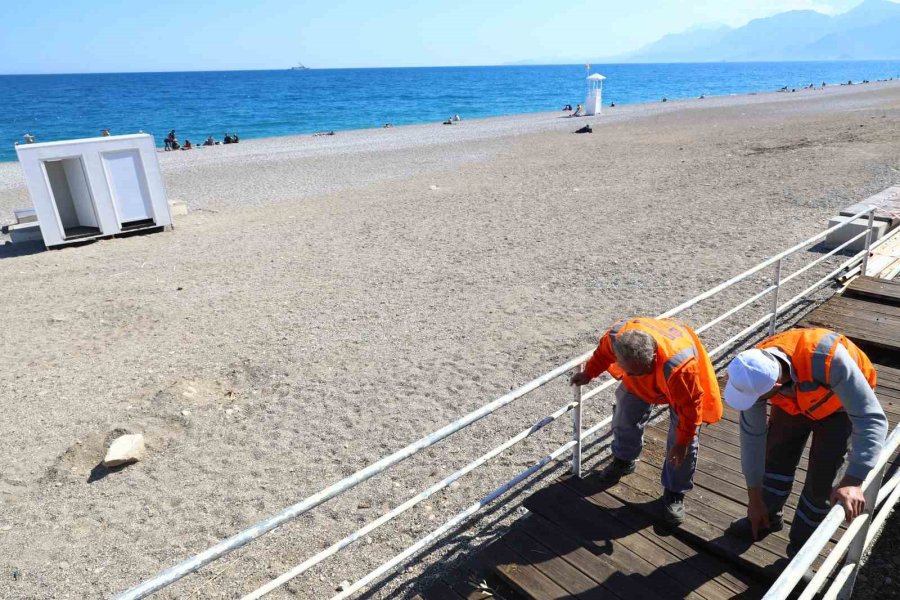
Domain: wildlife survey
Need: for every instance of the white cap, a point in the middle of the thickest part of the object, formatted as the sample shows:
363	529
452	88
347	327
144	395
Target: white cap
752	373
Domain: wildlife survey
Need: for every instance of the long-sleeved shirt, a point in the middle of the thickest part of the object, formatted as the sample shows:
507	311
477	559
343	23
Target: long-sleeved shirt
868	421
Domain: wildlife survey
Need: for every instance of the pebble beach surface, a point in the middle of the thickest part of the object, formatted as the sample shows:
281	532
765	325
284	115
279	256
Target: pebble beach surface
330	299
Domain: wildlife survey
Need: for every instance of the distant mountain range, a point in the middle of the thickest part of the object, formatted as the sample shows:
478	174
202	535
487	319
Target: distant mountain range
870	31
866	32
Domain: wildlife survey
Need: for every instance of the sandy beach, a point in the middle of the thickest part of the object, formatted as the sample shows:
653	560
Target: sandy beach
328	300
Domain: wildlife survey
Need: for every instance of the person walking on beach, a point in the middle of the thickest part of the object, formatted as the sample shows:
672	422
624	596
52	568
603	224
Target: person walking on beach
658	361
817	382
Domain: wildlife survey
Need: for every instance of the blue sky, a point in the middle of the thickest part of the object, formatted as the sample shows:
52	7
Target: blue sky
66	36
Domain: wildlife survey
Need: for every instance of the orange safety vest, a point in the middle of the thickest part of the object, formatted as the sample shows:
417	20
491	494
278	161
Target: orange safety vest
676	346
811	352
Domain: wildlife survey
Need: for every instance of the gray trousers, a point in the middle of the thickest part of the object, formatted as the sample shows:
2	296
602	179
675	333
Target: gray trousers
784	446
630	417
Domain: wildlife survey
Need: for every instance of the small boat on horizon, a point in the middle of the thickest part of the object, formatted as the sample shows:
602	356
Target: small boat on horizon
299	67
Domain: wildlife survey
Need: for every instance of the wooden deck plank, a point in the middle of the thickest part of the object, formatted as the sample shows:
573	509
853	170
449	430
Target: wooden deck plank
631	549
880	331
577	583
467	590
590	490
729	433
523	577
886	383
862	305
475	580
724	464
715	521
853	308
749	555
439	591
686	578
596	567
889	373
706	491
623	547
877	289
889	390
866	315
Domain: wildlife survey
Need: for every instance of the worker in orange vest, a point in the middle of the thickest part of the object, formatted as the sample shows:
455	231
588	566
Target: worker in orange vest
818	382
659	361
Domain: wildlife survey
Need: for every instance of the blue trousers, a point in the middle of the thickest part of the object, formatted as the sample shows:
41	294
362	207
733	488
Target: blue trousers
630	417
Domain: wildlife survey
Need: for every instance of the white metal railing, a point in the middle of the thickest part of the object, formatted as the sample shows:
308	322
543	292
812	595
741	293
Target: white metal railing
856	539
193	564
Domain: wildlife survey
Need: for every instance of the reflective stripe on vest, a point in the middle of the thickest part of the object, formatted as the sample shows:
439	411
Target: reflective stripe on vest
812	409
679	359
820	356
615	330
818	364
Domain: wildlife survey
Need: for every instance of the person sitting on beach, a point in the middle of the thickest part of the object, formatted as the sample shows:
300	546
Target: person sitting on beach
456	119
387	125
449	121
579	111
234	138
175	145
612	104
187	145
567	107
209	141
227	139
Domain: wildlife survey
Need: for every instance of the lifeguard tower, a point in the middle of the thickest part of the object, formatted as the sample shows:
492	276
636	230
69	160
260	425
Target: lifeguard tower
594	102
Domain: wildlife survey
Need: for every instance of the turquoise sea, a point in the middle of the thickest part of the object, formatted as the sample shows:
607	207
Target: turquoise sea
273	103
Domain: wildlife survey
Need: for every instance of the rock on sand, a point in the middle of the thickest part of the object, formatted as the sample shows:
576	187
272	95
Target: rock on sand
124	450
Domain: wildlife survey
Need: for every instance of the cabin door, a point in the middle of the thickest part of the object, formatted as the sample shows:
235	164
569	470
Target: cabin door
128	188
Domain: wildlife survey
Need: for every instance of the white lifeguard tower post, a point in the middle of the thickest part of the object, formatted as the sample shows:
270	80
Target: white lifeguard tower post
594	102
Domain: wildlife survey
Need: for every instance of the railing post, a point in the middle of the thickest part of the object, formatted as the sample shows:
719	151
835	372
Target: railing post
776	281
869	227
576	429
858	545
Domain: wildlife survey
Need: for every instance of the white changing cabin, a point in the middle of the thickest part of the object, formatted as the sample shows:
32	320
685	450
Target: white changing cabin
94	187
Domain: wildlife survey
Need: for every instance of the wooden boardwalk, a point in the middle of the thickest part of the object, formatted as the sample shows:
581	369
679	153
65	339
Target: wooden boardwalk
868	312
583	539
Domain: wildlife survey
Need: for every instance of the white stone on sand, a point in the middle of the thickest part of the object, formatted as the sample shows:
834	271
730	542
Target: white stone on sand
124	450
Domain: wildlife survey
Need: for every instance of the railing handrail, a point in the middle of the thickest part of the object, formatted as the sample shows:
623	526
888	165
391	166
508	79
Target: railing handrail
180	570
